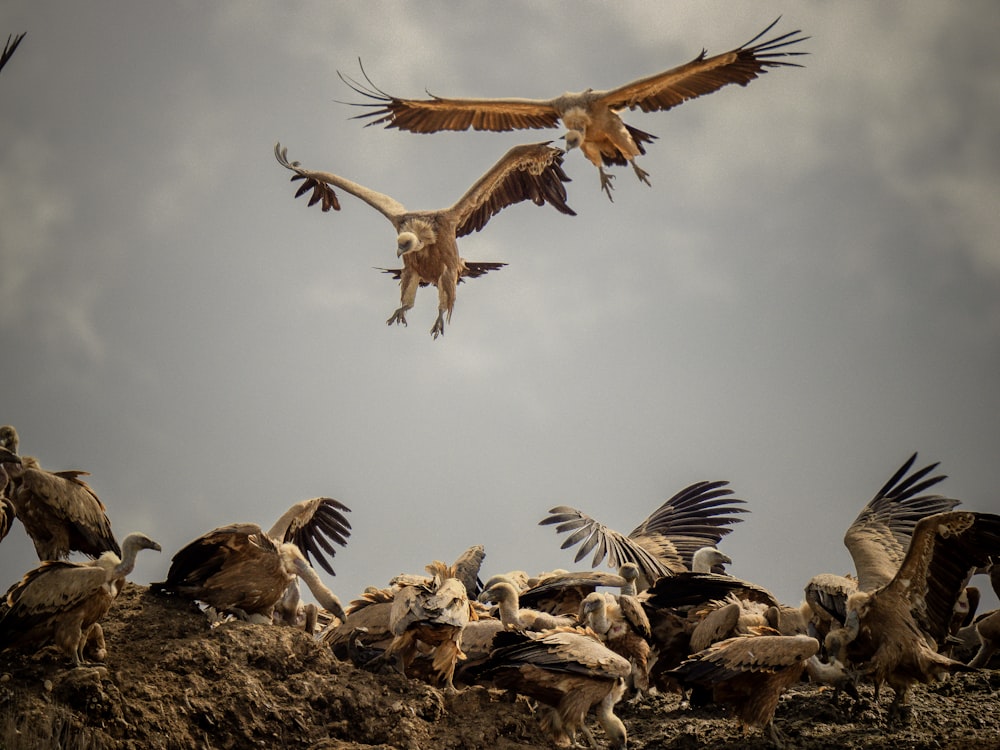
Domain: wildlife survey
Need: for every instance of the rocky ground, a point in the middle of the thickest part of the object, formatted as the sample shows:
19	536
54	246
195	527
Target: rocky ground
172	682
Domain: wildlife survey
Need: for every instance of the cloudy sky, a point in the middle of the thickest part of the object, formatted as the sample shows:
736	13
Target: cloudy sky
808	293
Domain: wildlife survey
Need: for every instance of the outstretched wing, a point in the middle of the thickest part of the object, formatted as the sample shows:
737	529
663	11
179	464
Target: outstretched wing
435	114
322	186
944	551
697	516
527	172
880	535
8	49
704	75
314	526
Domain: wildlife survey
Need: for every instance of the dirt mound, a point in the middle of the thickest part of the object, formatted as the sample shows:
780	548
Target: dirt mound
172	682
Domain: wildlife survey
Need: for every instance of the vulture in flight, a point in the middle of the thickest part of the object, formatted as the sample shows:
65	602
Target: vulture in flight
590	117
427	240
61	602
59	511
568	670
8	49
749	673
666	542
242	570
877	540
893	633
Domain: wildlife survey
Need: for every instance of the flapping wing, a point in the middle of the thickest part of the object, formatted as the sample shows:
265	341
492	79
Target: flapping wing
697	516
704	75
946	548
435	114
605	542
322	186
8	49
527	172
314	526
880	535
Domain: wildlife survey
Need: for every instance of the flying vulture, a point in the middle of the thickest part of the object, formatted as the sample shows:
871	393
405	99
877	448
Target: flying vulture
568	670
8	49
59	511
242	570
894	632
665	543
426	240
590	117
61	602
749	673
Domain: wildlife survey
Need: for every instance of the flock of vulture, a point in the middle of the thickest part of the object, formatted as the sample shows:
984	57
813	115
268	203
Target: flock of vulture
668	619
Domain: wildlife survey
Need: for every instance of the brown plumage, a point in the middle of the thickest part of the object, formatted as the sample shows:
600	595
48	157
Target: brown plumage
59	511
515	617
665	542
622	624
7	514
427	240
9	47
893	633
61	602
241	570
590	117
562	593
749	674
570	671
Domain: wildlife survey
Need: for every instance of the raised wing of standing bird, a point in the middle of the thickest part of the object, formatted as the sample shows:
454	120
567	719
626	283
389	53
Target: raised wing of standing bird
427	240
590	117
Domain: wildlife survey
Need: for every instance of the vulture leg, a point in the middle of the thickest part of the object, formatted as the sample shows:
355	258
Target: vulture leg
399	316
900	709
95	643
641	173
438	328
606	185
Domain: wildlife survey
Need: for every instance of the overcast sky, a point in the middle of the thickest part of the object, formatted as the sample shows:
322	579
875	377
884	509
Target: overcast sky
808	293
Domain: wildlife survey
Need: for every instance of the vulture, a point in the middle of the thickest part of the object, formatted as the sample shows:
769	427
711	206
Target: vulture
514	617
622	624
562	593
893	633
427	240
666	542
244	571
590	117
568	670
61	602
8	49
749	674
59	511
432	612
369	615
6	506
877	541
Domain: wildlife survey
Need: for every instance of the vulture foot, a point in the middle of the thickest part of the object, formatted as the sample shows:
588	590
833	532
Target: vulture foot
642	174
606	185
397	317
438	328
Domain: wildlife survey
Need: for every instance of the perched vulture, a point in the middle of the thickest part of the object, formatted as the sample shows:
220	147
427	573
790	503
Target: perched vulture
590	117
622	624
877	540
7	514
434	613
369	615
893	633
8	49
749	673
427	240
59	511
241	570
515	617
562	593
665	543
571	672
61	602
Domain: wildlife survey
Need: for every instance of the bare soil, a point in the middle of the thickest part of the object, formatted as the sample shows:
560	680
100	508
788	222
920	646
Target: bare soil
171	681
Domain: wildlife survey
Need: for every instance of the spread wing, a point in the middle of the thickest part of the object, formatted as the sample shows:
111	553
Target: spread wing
697	516
880	535
689	589
206	556
322	185
314	526
8	49
527	172
436	113
704	75
944	551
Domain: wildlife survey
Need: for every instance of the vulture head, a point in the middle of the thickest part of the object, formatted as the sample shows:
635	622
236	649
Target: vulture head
709	560
414	236
8	438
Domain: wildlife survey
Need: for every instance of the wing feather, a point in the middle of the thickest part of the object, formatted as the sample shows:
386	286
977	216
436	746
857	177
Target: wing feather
314	526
